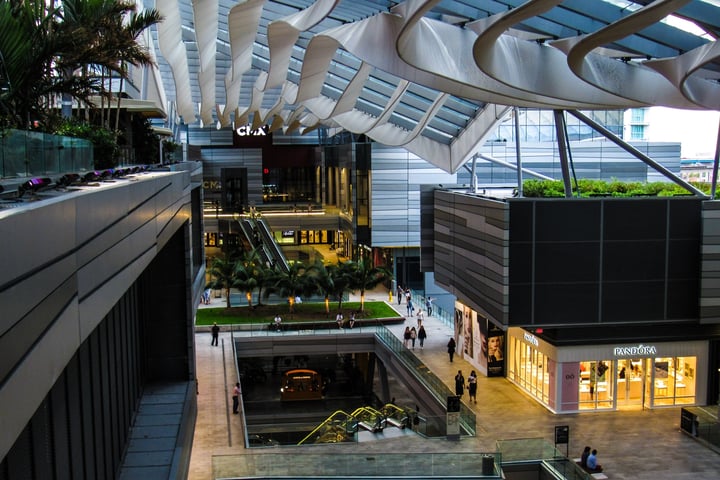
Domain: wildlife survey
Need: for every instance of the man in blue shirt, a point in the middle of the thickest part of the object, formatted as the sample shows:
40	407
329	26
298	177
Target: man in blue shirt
592	464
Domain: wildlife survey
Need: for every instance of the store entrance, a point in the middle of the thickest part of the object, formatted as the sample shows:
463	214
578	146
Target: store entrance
630	383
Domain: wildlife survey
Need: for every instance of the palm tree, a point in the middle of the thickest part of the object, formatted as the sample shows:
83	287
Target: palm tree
322	280
366	276
265	276
28	45
342	280
111	30
44	43
291	283
223	271
244	278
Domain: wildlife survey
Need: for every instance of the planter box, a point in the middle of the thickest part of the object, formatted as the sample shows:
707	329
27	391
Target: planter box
562	262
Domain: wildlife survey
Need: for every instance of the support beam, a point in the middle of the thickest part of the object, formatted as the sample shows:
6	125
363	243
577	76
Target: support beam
516	110
563	149
473	175
635	152
715	165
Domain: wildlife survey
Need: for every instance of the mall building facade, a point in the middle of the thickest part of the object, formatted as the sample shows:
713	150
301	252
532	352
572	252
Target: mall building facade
585	304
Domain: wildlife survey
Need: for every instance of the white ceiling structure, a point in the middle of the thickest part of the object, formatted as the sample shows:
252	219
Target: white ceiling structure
433	76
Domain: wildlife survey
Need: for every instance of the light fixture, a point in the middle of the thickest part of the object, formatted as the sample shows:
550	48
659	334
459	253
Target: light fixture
68	179
34	185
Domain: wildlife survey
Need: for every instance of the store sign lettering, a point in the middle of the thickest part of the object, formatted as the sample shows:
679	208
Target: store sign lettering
639	351
211	185
247	131
530	338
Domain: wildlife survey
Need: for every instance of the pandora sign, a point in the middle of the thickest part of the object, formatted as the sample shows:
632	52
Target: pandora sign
636	351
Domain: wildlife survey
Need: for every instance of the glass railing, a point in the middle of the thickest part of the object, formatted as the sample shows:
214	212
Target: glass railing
447	318
538	450
704	424
431	382
449	466
37	154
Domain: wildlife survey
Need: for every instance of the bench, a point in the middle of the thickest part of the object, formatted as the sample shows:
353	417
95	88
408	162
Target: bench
596	475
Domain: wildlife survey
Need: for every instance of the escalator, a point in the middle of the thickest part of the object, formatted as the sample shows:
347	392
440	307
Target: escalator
343	427
262	236
257	234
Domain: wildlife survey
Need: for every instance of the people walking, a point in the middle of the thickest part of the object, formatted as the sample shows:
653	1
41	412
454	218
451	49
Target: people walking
459	384
413	336
215	330
406	337
428	305
420	317
422	335
400	294
236	397
472	386
451	348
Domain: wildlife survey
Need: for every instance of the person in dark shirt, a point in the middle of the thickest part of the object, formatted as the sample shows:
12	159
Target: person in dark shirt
215	333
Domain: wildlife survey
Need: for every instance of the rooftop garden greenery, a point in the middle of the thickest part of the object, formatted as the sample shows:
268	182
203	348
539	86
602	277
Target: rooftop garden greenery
601	188
57	61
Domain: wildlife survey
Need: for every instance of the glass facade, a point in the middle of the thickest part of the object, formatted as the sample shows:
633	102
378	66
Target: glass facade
610	383
530	370
539	126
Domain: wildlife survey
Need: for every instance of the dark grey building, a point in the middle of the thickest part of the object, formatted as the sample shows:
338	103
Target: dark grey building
98	289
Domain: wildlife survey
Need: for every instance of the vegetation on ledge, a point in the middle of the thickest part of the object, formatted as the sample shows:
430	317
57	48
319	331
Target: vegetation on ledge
602	188
304	312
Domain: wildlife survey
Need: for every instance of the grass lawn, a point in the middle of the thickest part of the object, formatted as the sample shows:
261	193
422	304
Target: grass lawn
304	312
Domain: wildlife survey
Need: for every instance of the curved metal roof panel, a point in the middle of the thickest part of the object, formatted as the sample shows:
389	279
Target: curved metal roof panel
433	76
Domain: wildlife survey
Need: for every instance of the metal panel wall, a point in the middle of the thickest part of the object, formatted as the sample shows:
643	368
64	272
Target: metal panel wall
471	251
215	159
602	160
710	263
396	178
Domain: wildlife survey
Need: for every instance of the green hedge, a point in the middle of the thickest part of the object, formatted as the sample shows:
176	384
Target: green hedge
602	188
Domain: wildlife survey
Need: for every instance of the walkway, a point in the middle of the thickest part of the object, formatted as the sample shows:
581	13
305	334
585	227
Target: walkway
632	444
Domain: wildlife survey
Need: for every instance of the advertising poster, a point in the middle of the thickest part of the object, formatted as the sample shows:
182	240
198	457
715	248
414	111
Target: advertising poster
477	341
458	321
467	333
480	340
496	351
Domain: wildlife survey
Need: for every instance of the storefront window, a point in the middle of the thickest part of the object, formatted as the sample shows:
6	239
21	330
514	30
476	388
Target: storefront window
596	385
674	380
529	370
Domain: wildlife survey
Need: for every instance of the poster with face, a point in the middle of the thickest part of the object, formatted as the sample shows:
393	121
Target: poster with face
496	351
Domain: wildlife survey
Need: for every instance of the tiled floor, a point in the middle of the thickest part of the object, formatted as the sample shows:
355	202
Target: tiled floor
632	444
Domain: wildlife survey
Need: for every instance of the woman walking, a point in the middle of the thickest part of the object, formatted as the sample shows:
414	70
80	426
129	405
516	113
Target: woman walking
422	335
